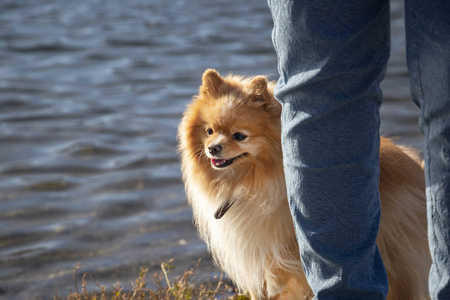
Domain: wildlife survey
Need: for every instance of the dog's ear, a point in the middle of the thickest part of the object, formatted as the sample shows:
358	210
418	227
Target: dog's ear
212	83
257	89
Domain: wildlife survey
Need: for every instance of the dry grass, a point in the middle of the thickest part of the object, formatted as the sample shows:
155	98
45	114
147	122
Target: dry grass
163	287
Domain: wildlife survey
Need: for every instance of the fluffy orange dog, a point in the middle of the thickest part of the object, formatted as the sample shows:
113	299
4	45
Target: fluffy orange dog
232	169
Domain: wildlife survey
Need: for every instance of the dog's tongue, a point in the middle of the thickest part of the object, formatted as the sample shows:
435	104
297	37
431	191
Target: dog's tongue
217	162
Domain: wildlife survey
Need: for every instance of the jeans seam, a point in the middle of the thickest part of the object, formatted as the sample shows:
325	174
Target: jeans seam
380	281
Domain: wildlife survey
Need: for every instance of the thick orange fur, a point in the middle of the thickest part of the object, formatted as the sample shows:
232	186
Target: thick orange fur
241	210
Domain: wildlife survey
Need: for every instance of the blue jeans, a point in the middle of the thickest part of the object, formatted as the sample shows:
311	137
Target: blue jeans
332	56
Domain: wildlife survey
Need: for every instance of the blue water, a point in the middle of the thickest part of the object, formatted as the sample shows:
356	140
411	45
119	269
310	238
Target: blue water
91	94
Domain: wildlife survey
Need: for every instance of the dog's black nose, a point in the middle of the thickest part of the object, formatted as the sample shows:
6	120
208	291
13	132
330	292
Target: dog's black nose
214	149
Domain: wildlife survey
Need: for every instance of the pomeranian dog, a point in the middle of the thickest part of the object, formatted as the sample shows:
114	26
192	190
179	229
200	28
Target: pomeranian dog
231	158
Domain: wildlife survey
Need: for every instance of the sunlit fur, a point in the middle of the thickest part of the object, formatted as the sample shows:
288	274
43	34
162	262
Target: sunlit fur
254	241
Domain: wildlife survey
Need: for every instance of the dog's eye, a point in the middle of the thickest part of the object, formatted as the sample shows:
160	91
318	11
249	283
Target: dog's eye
239	136
209	131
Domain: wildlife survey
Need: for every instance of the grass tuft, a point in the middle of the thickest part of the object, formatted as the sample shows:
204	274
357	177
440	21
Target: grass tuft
164	287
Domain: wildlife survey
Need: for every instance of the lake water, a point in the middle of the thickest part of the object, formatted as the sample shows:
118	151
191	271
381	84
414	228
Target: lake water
91	94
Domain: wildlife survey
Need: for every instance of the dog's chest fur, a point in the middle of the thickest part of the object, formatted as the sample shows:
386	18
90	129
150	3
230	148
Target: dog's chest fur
254	236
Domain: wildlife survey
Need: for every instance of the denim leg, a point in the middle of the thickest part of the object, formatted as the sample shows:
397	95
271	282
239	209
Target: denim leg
428	53
332	56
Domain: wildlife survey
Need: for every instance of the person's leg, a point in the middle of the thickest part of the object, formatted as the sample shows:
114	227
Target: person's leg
428	53
332	56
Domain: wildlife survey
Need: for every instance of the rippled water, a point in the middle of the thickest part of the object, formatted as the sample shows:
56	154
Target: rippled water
91	94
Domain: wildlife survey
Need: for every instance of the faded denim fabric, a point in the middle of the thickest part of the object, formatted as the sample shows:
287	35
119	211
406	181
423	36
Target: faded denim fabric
332	56
428	55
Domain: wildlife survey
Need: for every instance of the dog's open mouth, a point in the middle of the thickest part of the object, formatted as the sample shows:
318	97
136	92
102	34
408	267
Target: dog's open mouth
222	163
